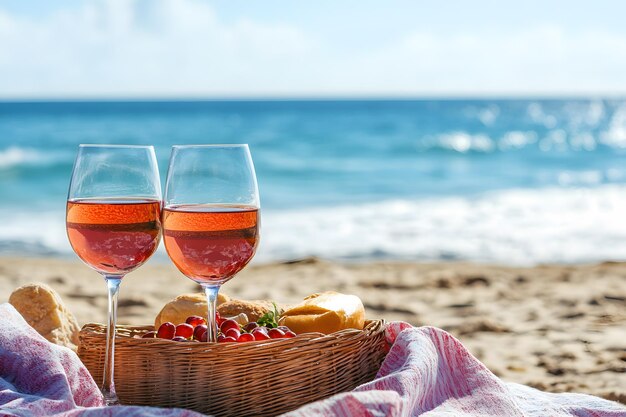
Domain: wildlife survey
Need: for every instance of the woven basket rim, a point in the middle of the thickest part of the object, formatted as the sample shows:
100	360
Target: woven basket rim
99	330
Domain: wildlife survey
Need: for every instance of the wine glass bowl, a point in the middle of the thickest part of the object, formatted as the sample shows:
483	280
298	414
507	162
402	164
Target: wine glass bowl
211	215
114	236
210	243
113	222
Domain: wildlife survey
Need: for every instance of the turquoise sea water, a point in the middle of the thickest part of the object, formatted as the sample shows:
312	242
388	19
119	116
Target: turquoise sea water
511	181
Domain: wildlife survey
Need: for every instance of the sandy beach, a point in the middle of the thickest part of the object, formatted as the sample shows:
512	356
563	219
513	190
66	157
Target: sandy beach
557	328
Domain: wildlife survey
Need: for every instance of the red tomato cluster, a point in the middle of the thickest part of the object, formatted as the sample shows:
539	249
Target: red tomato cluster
195	329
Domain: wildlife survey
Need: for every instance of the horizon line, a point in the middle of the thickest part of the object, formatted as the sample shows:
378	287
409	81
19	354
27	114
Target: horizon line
279	98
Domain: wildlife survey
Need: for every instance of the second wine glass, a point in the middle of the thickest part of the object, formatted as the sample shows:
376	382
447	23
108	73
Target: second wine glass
211	216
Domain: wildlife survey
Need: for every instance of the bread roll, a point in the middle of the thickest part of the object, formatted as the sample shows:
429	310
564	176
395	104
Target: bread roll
43	309
185	305
326	313
253	309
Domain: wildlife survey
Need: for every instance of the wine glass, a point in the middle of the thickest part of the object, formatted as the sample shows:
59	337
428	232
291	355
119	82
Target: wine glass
211	216
114	222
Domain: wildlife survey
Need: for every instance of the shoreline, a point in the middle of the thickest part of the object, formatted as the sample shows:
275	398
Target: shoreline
554	327
160	258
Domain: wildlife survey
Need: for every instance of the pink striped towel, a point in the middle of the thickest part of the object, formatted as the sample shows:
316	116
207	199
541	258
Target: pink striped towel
427	372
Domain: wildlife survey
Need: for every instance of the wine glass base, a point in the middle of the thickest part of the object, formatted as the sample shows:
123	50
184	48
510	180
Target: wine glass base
110	398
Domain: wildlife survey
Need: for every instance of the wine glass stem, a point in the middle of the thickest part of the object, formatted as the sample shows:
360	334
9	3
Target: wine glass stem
108	385
211	298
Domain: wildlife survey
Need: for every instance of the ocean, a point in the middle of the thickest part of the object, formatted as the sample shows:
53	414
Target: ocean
503	181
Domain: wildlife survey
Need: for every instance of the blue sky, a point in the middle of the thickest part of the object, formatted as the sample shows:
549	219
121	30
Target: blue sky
272	48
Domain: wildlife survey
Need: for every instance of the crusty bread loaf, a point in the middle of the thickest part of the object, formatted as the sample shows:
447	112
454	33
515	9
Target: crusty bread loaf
253	309
326	313
44	310
185	305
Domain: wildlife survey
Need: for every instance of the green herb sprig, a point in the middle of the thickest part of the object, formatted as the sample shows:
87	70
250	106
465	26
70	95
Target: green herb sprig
270	319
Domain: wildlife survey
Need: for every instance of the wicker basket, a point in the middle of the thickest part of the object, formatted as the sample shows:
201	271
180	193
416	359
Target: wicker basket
262	378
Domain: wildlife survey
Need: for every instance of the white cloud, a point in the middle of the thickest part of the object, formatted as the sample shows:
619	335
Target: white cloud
125	48
182	48
541	59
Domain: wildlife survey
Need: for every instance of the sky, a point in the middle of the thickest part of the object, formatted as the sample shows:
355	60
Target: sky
323	48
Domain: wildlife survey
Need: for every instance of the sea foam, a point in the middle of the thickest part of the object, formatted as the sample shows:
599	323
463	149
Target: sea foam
510	227
15	156
522	227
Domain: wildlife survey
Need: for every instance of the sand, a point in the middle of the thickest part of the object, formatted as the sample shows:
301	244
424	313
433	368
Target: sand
558	328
